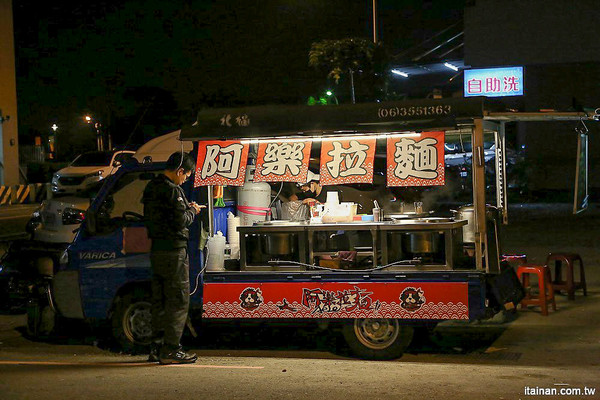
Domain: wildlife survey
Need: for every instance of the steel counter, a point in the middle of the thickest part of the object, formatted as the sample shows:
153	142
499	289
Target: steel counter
380	234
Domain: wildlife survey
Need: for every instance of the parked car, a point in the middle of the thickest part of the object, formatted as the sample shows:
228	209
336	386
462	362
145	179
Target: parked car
58	218
456	155
88	168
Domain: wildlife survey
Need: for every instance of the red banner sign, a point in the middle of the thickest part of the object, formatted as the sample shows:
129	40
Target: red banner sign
407	300
221	163
347	161
416	160
282	161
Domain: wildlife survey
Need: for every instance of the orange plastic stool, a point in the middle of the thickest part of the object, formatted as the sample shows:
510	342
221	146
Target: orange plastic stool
569	285
518	258
546	294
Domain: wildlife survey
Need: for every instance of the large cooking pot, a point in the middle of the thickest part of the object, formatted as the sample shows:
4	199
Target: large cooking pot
278	244
467	212
421	242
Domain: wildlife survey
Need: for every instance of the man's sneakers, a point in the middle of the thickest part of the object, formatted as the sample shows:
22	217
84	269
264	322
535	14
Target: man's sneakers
177	356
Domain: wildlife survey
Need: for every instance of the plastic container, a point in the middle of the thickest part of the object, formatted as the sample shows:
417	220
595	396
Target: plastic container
216	252
220	217
233	236
333	199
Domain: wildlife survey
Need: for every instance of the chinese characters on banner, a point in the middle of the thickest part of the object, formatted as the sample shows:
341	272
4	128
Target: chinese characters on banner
282	162
221	163
416	160
347	161
494	82
412	160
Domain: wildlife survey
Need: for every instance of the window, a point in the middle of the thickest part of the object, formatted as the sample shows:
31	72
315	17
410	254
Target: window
125	198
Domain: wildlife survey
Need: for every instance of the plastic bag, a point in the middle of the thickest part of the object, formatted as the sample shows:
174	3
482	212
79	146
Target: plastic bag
294	211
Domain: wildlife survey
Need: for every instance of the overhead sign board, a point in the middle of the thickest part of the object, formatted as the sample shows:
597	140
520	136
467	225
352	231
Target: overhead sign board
494	82
286	120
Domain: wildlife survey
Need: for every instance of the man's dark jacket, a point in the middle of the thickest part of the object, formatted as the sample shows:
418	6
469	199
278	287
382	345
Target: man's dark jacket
167	214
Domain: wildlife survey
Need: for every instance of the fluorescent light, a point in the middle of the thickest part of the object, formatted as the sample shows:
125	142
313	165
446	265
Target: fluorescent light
331	138
398	72
452	67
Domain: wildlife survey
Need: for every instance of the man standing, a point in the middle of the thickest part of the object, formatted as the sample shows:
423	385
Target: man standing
168	215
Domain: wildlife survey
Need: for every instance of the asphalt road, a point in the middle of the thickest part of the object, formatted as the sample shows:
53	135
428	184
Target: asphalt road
492	361
505	358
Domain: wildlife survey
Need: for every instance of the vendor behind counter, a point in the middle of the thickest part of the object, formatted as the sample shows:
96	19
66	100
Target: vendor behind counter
311	190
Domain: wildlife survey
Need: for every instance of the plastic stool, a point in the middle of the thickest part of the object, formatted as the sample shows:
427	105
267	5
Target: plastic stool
569	285
546	294
519	258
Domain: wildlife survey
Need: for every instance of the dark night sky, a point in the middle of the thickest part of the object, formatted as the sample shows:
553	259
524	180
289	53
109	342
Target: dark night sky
170	58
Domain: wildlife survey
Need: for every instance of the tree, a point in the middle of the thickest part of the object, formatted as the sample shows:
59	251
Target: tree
349	55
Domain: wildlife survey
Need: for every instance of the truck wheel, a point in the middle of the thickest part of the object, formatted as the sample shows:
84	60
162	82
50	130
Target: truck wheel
132	322
377	338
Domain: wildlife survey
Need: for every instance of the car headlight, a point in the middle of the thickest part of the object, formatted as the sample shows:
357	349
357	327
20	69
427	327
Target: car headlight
97	173
55	178
72	216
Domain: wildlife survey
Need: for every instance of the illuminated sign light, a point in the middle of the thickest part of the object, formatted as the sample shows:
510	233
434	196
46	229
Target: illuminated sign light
494	82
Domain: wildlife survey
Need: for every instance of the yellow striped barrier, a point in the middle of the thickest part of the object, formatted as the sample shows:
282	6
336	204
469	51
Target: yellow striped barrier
20	194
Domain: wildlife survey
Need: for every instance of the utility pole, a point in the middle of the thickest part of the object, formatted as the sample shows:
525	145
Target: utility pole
9	142
375	21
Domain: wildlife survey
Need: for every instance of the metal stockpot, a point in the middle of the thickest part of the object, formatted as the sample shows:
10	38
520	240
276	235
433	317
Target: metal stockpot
421	242
278	243
467	213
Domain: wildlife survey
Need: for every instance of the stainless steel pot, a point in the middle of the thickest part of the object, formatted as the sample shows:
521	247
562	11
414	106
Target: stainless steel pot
421	242
467	212
278	243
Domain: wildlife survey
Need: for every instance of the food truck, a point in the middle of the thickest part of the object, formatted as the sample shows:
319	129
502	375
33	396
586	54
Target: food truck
375	261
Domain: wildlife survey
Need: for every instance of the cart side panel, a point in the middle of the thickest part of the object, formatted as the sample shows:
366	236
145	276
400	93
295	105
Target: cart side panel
410	300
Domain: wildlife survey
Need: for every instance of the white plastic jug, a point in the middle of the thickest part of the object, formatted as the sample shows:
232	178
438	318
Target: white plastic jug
233	236
216	253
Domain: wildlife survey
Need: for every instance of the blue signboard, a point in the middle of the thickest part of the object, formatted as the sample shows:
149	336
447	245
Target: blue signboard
494	82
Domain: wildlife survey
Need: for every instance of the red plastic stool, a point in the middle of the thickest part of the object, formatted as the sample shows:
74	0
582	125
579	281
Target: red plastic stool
518	258
546	294
569	285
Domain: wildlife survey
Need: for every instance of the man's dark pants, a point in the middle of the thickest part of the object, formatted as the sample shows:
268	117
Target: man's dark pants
170	295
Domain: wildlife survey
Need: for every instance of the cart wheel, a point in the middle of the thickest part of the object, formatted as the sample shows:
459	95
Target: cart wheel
41	319
377	338
132	322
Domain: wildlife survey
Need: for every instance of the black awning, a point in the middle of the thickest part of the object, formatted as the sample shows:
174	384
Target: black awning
280	120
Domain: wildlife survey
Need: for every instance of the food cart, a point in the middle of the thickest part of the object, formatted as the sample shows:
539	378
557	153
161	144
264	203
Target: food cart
337	267
416	268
